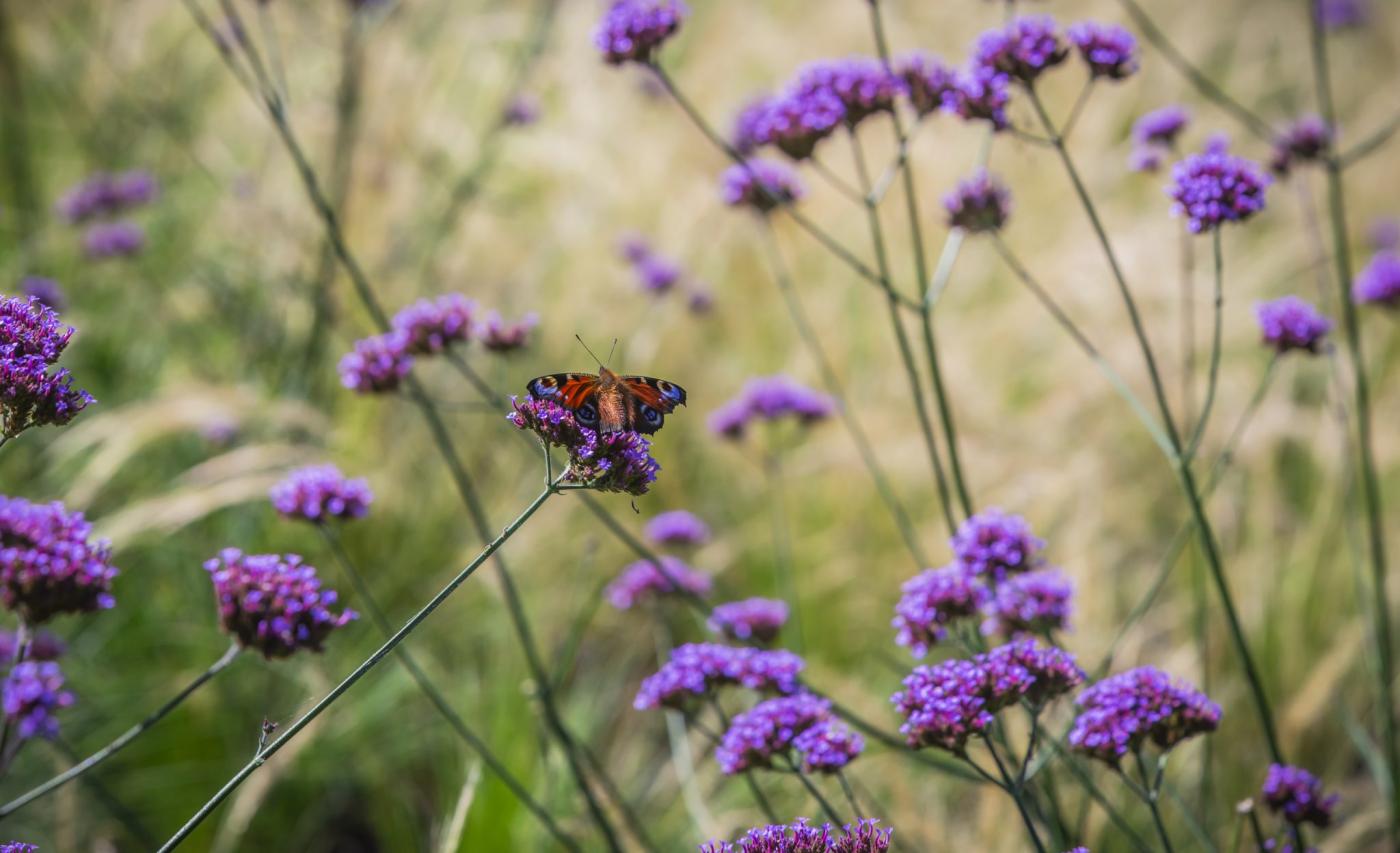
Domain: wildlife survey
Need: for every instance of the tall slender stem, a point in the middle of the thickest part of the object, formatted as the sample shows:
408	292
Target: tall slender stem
782	541
1213	378
1009	785
832	814
1187	296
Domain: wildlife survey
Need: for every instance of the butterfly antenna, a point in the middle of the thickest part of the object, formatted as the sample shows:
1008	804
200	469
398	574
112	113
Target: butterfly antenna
589	351
613	350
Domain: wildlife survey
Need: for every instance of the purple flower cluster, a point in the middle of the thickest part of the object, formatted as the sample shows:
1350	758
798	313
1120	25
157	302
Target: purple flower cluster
656	274
1305	140
678	527
113	240
273	603
632	30
1378	283
377	364
994	545
752	620
1290	323
49	562
929	82
828	746
696	670
1343	14
865	836
748	132
30	328
932	600
611	462
33	392
861	84
1109	51
1211	189
431	326
106	194
1032	603
44	290
43	645
981	95
643	578
763	185
319	493
18	847
980	203
499	336
31	694
776	727
822	97
1161	127
770	398
1022	50
1121	713
1298	795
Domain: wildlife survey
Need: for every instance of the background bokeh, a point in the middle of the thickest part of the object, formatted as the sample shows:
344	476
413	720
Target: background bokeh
197	351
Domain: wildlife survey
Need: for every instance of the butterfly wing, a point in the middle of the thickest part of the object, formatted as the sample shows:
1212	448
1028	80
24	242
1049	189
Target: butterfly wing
577	392
649	400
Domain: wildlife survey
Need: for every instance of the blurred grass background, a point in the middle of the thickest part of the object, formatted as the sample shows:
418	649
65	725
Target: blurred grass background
195	349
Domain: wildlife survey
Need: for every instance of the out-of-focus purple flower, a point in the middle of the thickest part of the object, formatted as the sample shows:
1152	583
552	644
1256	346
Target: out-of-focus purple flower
980	95
747	133
1022	50
377	364
319	493
642	578
49	562
1384	234
612	462
1217	143
1343	14
1161	126
763	185
1109	51
273	603
1298	795
1145	158
18	847
796	120
767	731
633	247
1305	140
1212	189
697	670
928	81
1032	603
632	30
700	299
943	705
980	203
1053	671
770	398
45	290
1121	713
1378	283
28	327
751	620
113	240
32	693
657	274
521	110
1290	323
828	746
430	326
861	84
994	545
31	394
864	836
106	194
678	527
43	646
932	600
499	336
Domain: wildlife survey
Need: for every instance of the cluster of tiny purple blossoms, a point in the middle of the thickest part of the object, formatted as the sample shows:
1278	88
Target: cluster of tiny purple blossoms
102	196
761	184
632	30
1291	323
50	563
1124	712
657	274
696	670
863	836
273	603
1212	188
32	692
980	203
1155	136
18	847
678	527
776	728
752	620
644	579
1378	283
33	391
1304	141
1297	795
608	462
321	493
770	398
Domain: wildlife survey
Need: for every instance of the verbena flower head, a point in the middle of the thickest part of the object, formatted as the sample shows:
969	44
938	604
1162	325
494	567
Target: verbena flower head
1343	14
107	194
50	563
933	600
633	247
1146	158
656	274
431	326
1032	603
377	364
994	545
1109	51
632	30
861	84
1161	126
943	705
1123	712
32	693
18	847
1379	282
521	110
499	336
980	95
763	185
797	119
1305	140
1298	795
1022	50
612	462
32	394
747	134
751	620
767	731
928	81
828	746
1290	323
678	527
697	670
44	290
1211	189
113	240
770	398
980	203
28	327
864	836
1053	671
43	646
273	603
642	579
319	493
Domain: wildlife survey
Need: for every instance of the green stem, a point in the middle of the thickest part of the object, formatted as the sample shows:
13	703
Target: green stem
831	813
1014	792
1213	380
782	543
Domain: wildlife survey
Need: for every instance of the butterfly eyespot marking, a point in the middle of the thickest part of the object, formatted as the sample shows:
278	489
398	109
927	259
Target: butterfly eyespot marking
651	416
587	414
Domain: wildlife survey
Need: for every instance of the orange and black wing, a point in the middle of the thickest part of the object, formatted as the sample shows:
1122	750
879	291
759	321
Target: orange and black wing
577	392
649	401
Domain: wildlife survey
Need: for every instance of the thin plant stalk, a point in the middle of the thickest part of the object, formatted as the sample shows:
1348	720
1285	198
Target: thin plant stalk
832	814
1370	144
1008	785
430	690
291	731
1187	297
782	538
856	811
121	740
1213	377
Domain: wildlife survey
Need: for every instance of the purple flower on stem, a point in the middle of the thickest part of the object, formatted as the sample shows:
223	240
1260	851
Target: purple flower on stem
1211	189
770	398
797	120
642	578
861	84
980	95
107	194
767	731
632	30
1022	50
499	336
1298	795
28	327
995	545
273	603
431	326
32	395
697	670
980	203
377	364
612	462
49	562
1121	713
113	240
1161	127
18	847
43	290
1343	14
656	274
31	694
943	705
1379	282
864	836
633	247
1032	603
1305	140
521	110
828	746
753	619
932	600
928	81
678	527
1053	671
1290	323
319	493
1109	51
763	185
747	134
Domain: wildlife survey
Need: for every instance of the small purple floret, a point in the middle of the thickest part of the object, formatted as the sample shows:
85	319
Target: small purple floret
1212	189
1031	603
50	563
1298	795
928	81
632	30
770	398
678	527
751	620
697	670
768	731
1379	282
320	493
1022	50
1123	712
763	185
642	579
273	603
1290	323
980	203
31	694
1161	127
932	600
1109	51
113	240
994	545
430	326
612	462
498	336
377	364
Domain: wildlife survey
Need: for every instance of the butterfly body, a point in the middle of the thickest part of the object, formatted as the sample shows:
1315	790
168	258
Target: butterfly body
607	402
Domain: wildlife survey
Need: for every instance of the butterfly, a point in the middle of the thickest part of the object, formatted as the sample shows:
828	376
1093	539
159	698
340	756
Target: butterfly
608	402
